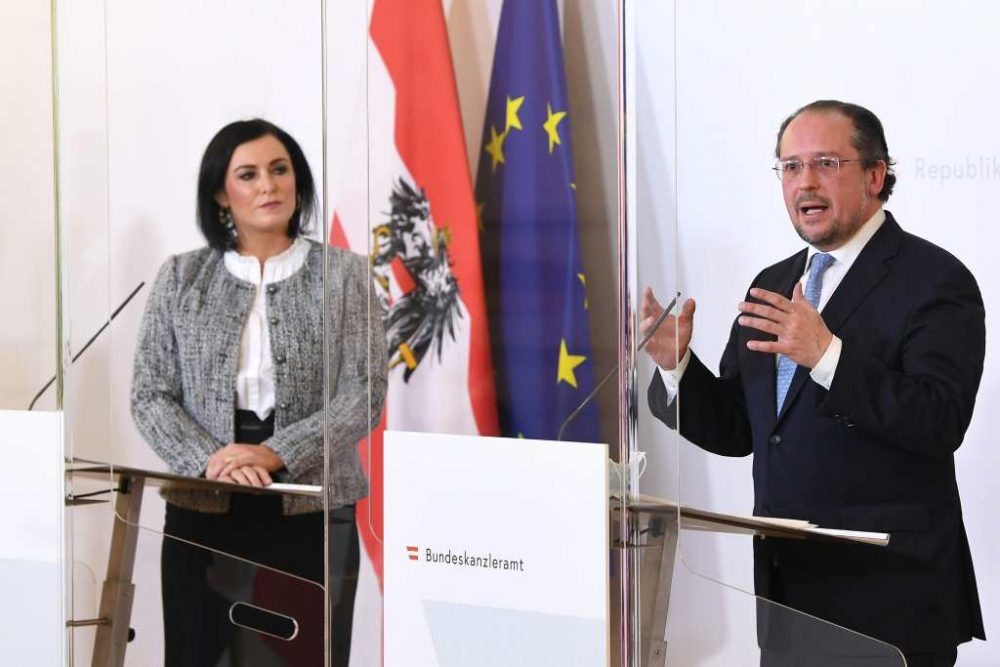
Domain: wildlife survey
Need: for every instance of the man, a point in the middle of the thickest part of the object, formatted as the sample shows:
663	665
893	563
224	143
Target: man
851	375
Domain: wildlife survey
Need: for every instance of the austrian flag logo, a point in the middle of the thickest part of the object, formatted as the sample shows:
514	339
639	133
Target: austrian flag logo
485	561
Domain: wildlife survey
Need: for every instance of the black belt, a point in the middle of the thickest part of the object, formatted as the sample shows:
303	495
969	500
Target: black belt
251	429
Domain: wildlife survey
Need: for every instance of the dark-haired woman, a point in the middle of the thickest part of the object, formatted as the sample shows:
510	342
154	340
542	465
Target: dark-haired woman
228	384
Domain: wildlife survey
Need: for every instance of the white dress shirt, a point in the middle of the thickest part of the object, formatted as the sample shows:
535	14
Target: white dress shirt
844	257
255	373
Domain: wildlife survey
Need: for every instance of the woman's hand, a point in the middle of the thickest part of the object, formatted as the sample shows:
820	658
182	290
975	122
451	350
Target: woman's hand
247	476
255	461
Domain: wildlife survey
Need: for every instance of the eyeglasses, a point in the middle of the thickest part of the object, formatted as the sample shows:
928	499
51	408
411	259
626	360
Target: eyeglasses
824	165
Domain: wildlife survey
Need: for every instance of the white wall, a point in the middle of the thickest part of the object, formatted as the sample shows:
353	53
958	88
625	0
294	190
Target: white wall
27	238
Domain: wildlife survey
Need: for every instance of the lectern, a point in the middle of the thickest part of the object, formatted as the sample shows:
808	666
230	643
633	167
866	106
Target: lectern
114	627
545	505
654	525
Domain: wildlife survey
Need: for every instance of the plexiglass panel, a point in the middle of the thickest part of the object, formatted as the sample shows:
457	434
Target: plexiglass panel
239	325
733	628
31	524
248	615
496	288
692	238
424	296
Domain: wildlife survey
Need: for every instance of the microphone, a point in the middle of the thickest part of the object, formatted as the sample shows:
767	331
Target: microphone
642	343
88	343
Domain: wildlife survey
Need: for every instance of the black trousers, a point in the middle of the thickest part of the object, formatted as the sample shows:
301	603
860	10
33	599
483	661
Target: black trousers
804	656
791	639
211	561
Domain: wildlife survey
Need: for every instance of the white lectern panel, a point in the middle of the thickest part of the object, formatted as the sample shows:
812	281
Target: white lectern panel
31	537
496	551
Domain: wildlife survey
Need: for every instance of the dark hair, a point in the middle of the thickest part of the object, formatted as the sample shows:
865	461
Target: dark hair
215	164
868	139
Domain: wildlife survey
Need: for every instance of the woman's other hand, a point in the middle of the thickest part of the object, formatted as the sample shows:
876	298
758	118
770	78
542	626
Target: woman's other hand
247	476
235	455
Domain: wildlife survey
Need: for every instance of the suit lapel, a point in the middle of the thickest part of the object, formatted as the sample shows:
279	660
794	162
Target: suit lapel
868	270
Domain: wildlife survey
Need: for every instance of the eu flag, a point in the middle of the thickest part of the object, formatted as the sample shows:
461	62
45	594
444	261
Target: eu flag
525	192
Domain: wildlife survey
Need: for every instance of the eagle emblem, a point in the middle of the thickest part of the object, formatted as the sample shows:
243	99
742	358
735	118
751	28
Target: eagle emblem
415	286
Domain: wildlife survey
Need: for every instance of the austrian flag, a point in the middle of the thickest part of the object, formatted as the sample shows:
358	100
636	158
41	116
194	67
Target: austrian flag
412	212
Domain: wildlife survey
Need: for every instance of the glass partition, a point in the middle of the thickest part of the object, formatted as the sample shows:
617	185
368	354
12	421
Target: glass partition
426	296
201	238
31	525
84	265
496	288
740	590
733	628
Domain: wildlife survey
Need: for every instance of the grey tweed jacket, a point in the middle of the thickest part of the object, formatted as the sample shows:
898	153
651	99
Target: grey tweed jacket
184	378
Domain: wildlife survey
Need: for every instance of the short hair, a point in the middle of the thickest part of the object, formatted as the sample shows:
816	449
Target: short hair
868	139
212	178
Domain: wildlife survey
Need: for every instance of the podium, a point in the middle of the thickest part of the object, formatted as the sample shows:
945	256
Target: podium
439	611
118	590
655	524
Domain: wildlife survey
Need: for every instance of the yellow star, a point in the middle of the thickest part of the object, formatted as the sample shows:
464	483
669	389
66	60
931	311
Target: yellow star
495	147
551	126
513	105
567	362
480	207
583	281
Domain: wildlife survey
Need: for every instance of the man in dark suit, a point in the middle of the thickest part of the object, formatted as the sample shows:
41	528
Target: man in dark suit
850	375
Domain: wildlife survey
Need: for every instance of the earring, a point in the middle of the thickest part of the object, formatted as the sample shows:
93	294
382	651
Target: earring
226	220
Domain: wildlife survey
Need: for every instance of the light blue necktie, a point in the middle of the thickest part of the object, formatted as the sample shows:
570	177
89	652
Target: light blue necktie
814	285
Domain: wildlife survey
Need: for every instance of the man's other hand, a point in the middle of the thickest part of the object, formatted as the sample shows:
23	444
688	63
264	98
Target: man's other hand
670	342
801	331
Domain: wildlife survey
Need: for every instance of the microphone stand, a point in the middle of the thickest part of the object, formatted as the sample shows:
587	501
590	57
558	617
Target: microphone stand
88	343
611	373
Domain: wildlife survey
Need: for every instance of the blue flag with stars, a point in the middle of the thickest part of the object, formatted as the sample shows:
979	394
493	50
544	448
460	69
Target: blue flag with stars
525	195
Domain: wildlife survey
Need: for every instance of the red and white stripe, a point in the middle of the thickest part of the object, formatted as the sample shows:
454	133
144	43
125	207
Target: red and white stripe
412	128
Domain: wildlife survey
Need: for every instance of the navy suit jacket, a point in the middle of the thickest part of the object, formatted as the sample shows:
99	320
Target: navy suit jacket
875	452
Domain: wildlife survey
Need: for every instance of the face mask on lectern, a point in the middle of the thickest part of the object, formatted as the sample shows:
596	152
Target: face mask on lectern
633	470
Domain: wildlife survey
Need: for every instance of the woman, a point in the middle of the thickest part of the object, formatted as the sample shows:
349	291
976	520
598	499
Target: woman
229	382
